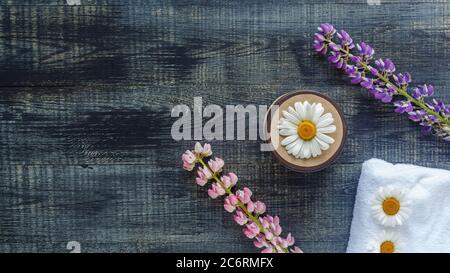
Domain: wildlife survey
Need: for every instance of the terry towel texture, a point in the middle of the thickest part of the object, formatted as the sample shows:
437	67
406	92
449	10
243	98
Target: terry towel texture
428	226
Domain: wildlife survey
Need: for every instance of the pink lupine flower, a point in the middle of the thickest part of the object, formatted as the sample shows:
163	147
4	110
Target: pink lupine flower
279	249
226	181
251	230
216	165
296	249
215	191
244	195
189	160
260	242
268	237
240	218
250	206
200	181
264	222
203	151
205	172
282	242
290	239
276	229
233	178
203	175
230	203
260	207
267	250
212	193
229	180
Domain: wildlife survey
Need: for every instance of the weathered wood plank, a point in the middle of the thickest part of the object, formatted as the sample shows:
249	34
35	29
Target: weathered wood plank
85	97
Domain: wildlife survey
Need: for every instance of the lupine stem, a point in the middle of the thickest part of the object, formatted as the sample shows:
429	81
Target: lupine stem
401	91
239	203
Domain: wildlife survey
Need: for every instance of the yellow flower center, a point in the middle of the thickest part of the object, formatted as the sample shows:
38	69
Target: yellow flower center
306	130
387	247
391	206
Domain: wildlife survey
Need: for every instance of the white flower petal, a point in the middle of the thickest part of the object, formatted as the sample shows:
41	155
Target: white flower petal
290	117
289	140
327	130
308	111
291	145
287	125
324	138
325	116
299	107
323	145
315	149
288	132
296	148
318	111
324	122
293	112
299	153
306	150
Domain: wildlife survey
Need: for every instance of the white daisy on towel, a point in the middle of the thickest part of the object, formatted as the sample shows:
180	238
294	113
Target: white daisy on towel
391	206
306	129
385	242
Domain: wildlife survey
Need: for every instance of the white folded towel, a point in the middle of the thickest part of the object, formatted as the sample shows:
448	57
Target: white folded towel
428	227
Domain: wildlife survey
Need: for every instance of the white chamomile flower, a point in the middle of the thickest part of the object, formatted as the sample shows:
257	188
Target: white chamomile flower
391	206
385	242
305	129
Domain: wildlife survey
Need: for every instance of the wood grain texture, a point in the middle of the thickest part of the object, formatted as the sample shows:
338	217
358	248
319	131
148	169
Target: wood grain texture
85	98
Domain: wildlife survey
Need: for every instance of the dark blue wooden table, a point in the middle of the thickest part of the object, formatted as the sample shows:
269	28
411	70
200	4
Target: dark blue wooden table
86	93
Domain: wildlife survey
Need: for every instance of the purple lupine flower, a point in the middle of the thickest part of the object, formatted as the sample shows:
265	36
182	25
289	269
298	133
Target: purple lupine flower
353	72
403	106
379	79
386	66
382	94
345	39
320	47
436	105
416	115
336	59
327	29
367	83
402	79
423	91
366	50
446	111
373	71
